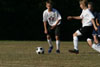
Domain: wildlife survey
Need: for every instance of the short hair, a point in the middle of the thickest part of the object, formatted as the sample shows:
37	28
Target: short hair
85	2
91	3
49	1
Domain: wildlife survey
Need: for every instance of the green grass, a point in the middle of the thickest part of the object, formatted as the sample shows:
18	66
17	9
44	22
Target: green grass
22	54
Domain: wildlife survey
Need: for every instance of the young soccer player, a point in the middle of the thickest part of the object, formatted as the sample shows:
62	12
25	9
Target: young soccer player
52	21
95	33
86	30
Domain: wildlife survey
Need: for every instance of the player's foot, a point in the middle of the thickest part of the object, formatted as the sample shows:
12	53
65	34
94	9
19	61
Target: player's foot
50	49
96	47
74	51
57	51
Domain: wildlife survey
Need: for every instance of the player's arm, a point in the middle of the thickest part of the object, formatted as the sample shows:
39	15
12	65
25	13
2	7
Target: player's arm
45	22
94	25
97	23
45	27
91	17
56	24
58	20
74	17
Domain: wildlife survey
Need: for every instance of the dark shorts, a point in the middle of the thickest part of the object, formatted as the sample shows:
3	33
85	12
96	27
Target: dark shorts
56	30
87	31
96	32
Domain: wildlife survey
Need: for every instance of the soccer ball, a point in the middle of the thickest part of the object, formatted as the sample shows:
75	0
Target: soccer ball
40	50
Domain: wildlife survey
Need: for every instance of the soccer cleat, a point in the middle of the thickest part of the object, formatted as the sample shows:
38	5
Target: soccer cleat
57	51
74	51
96	47
50	49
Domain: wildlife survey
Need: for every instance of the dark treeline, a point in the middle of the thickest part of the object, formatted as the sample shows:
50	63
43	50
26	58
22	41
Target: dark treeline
22	19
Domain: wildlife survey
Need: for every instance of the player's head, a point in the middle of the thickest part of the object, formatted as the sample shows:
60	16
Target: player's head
83	4
90	6
49	4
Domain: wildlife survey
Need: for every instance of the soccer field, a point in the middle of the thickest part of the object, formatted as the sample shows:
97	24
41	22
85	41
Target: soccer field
22	54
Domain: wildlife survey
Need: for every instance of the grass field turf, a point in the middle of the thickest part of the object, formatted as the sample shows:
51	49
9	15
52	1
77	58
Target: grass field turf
22	54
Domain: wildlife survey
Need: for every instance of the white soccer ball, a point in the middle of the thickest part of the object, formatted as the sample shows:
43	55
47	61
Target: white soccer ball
40	50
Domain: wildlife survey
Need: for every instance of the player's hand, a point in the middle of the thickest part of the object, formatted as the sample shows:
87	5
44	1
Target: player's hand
45	31
98	24
53	26
69	17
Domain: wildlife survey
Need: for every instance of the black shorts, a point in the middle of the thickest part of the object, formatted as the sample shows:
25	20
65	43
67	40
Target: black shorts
87	31
56	30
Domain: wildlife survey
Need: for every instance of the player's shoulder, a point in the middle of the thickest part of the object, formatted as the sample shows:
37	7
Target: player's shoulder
87	10
55	10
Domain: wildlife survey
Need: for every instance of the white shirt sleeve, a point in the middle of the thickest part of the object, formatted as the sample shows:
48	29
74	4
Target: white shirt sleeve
91	16
44	17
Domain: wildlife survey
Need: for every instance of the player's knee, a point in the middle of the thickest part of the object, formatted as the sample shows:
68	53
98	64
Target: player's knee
57	37
88	39
75	34
48	37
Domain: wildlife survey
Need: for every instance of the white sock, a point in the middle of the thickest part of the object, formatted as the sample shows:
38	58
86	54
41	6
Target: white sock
49	42
57	44
75	41
93	46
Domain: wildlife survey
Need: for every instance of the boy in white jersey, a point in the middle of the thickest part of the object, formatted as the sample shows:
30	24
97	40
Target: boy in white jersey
52	21
86	30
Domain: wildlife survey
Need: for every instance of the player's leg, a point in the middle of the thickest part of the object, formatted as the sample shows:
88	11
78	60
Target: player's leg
57	44
97	45
94	46
75	42
89	35
57	35
95	39
50	44
49	40
89	41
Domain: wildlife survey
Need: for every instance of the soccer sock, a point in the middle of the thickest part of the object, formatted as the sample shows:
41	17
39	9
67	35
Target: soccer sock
50	42
57	44
93	46
75	41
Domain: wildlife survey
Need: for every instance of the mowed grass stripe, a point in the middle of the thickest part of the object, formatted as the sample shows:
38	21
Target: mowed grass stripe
22	54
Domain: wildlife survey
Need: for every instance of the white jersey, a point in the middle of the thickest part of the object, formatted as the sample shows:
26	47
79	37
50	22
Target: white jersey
86	16
51	17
